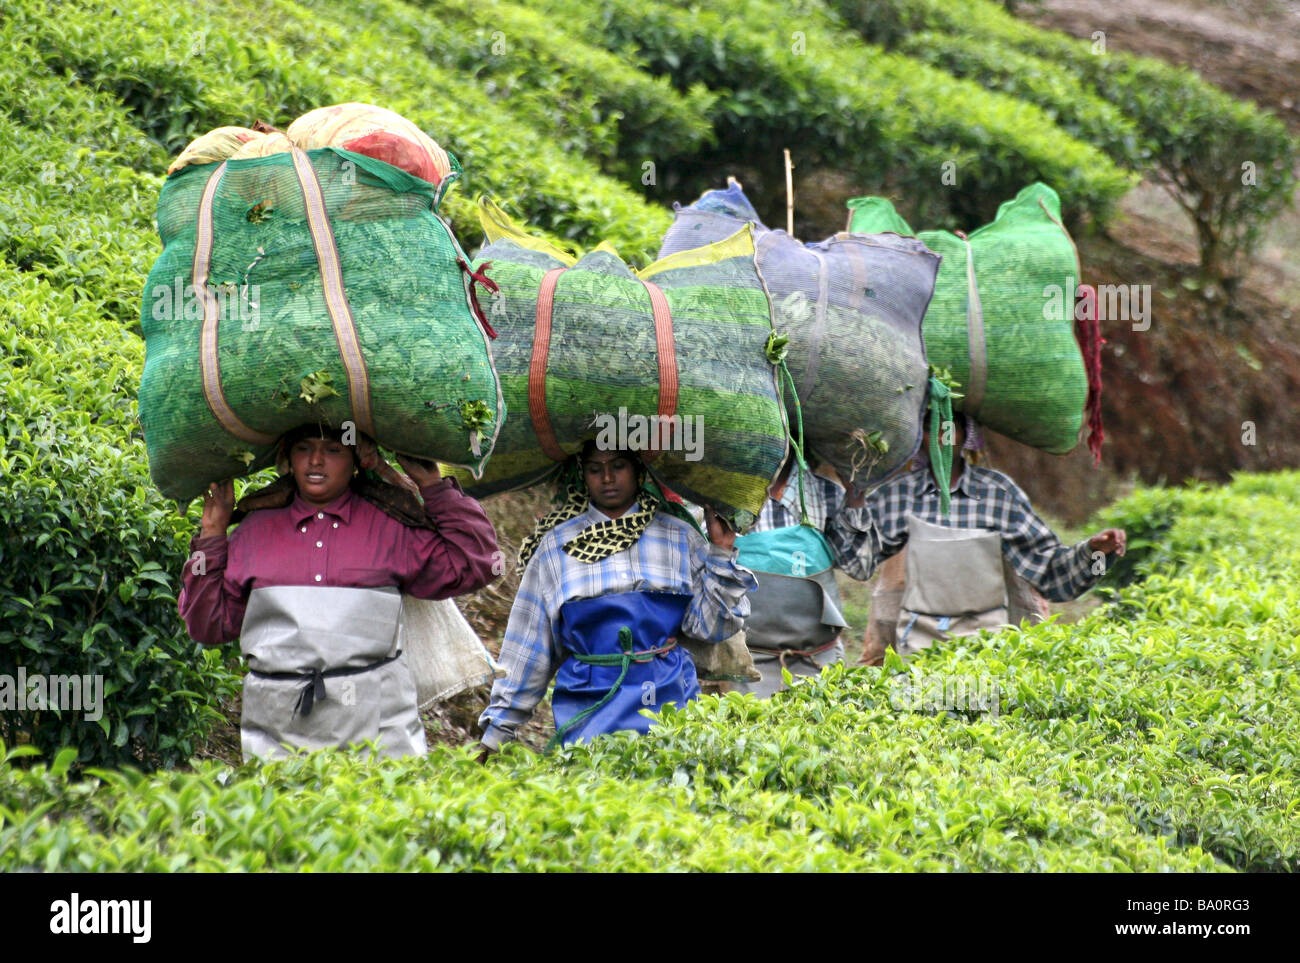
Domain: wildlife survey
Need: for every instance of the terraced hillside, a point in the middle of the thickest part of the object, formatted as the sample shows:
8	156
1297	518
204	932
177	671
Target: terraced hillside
1157	734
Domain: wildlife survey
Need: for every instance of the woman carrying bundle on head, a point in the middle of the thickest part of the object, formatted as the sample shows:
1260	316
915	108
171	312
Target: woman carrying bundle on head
311	583
967	529
613	578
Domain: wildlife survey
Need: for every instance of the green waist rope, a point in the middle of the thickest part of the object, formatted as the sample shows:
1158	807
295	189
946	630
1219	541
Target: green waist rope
622	659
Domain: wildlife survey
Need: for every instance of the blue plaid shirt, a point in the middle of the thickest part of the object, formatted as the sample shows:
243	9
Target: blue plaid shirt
847	530
988	500
670	556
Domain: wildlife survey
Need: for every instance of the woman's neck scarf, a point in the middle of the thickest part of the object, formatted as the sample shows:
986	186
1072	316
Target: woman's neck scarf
598	542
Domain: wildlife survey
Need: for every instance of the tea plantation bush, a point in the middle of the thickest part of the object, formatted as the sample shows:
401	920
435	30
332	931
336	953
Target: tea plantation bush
790	75
80	185
1226	162
1159	735
90	554
595	104
1001	67
181	70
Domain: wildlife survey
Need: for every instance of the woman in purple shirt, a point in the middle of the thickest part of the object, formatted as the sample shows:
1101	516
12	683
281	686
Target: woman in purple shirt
312	588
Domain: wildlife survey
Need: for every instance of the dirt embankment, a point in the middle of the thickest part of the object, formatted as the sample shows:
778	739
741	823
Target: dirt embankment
1201	393
1251	48
1205	390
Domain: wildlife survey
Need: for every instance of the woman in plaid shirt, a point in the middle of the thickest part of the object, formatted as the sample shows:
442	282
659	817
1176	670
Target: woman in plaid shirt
804	530
982	501
624	576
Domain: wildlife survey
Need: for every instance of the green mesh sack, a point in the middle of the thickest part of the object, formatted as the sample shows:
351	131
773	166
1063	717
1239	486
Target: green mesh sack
852	309
1002	317
584	340
308	287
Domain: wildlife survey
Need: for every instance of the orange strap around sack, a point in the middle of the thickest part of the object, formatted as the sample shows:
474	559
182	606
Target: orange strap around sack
666	349
336	299
667	346
209	366
537	367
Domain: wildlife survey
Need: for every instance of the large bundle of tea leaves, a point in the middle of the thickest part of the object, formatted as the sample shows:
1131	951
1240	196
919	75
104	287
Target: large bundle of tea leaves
312	286
1002	319
852	307
590	349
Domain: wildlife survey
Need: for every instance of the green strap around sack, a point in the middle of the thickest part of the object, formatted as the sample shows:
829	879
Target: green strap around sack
940	452
778	345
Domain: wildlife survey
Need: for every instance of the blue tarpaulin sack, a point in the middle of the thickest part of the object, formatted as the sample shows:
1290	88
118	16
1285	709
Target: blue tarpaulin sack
852	307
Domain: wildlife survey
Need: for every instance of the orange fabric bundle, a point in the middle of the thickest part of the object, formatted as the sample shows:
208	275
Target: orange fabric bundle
216	145
362	128
375	132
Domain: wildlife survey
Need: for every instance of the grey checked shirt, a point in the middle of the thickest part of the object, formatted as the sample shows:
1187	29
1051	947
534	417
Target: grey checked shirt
984	499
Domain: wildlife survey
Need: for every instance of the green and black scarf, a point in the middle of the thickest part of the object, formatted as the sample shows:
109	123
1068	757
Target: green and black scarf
600	541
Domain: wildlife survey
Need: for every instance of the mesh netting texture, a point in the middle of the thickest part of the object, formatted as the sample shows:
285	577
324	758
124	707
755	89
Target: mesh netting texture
852	308
603	357
386	339
1005	330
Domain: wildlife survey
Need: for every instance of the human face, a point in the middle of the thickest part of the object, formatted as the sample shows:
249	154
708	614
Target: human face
611	481
322	468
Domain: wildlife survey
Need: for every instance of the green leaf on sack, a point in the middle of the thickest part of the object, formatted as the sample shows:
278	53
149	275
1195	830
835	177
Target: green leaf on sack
316	387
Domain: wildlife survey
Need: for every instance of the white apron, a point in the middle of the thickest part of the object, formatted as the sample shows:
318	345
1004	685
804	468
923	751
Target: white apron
443	651
326	669
954	585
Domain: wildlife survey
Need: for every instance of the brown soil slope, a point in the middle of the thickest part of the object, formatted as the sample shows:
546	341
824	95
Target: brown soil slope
1181	397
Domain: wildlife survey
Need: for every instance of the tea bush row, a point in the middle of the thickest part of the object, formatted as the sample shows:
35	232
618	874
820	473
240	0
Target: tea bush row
1159	734
179	71
90	554
1228	163
792	76
593	104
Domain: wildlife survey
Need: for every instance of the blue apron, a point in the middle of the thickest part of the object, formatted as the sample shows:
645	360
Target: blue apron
592	628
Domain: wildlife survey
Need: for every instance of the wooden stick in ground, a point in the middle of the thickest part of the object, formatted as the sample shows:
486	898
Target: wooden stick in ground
789	195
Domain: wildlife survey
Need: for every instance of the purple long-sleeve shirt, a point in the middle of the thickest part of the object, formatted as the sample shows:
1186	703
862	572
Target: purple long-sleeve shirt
348	543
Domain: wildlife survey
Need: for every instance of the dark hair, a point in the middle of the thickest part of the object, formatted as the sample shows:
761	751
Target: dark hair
589	448
291	438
